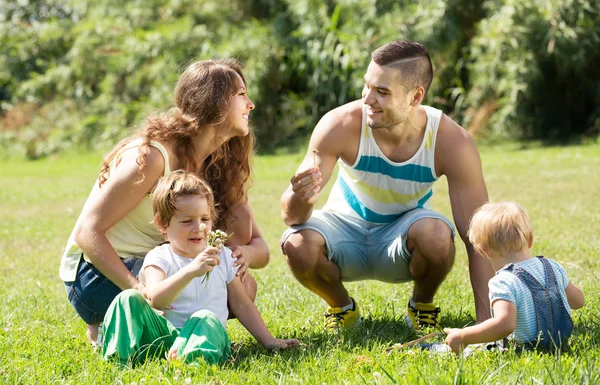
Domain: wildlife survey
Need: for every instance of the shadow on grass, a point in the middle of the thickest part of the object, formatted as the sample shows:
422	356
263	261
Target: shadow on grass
373	333
376	333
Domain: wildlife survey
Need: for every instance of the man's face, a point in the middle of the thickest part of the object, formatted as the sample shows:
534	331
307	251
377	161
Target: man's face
387	101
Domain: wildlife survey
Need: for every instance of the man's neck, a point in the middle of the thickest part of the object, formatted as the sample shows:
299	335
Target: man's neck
413	127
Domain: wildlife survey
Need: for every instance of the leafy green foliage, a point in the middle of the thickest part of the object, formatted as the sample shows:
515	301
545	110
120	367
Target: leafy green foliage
537	60
86	72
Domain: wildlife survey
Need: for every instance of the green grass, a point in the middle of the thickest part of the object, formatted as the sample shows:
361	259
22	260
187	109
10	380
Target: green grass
43	341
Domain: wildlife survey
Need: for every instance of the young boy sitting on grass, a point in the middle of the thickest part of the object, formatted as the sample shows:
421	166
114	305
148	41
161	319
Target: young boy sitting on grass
531	297
188	278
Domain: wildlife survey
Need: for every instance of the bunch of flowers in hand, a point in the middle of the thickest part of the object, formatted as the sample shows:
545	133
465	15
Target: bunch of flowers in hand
216	239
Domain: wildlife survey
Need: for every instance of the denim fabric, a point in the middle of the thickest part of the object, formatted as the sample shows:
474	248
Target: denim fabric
553	320
91	293
364	250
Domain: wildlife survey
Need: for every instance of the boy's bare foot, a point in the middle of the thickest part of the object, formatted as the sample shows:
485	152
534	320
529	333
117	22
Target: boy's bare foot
92	334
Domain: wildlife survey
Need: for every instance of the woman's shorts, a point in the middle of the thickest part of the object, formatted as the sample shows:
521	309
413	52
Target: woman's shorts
91	293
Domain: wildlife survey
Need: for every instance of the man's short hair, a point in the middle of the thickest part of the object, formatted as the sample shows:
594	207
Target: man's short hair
498	228
411	58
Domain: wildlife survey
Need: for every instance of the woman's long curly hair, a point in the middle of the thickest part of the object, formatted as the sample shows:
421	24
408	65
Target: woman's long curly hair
202	97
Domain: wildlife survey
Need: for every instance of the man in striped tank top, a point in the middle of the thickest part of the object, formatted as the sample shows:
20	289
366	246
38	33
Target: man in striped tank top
377	223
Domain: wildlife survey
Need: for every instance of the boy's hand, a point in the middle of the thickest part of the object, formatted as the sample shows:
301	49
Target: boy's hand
277	343
237	252
206	261
455	339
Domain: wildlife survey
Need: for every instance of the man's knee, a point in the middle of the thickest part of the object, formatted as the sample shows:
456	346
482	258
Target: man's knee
434	239
303	248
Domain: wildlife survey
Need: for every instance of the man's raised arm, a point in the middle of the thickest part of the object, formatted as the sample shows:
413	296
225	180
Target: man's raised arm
298	200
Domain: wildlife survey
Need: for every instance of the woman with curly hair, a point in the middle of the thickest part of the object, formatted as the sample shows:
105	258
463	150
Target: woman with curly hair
207	134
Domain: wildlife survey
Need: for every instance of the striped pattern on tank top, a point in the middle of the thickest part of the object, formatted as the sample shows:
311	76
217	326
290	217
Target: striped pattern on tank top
378	190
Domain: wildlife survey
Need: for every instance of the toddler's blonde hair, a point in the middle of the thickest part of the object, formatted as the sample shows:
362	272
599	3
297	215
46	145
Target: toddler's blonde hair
499	228
176	184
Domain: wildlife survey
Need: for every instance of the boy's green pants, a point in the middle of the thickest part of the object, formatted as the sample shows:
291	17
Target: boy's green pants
133	332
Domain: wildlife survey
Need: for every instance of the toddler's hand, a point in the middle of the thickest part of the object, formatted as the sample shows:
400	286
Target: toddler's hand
455	339
277	343
242	261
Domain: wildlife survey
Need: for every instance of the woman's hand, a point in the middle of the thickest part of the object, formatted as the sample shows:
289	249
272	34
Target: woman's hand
277	343
245	235
242	261
141	287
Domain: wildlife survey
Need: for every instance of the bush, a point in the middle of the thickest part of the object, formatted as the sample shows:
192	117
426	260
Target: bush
537	63
88	72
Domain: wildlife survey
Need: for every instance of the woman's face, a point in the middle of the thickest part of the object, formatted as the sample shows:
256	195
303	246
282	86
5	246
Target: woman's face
241	105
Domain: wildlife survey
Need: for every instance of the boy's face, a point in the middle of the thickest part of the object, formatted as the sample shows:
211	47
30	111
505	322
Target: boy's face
184	233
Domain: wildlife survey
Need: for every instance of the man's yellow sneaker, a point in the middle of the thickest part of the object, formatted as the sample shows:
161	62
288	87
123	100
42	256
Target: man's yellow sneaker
336	318
423	315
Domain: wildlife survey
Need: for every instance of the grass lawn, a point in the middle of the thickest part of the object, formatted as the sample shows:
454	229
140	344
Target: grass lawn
43	341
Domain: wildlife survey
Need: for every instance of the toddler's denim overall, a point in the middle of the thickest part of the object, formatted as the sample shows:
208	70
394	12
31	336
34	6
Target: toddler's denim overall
554	324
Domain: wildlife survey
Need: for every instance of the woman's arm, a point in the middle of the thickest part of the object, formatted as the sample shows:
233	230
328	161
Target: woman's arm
246	243
493	329
107	205
248	315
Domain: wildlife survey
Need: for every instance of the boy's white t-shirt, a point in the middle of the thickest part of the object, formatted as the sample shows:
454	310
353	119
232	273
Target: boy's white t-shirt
198	295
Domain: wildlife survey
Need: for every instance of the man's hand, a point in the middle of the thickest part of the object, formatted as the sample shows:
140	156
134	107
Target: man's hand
307	184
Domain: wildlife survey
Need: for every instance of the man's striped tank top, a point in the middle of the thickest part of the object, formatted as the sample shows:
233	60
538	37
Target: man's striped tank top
378	190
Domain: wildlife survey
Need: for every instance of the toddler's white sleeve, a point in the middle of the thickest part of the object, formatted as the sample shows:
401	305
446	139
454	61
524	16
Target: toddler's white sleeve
156	257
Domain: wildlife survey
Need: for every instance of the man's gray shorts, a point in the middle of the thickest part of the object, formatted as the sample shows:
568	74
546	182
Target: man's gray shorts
365	250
